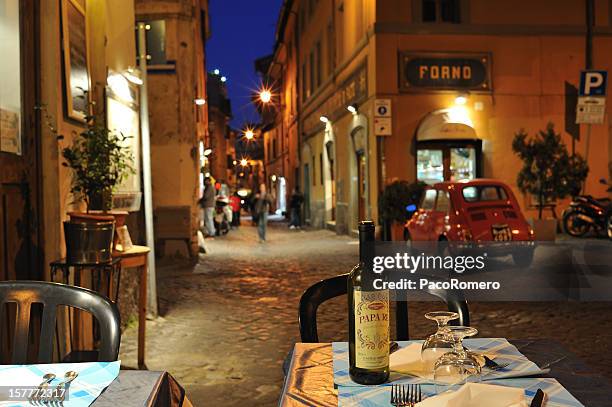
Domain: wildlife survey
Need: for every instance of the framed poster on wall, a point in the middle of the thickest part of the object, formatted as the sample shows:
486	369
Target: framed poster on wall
76	59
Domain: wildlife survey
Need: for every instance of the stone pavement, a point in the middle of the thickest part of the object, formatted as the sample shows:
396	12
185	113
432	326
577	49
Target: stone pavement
228	322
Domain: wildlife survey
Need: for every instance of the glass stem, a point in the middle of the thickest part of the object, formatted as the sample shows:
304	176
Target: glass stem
458	345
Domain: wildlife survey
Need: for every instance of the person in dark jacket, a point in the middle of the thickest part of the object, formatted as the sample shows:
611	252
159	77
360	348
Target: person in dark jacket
295	208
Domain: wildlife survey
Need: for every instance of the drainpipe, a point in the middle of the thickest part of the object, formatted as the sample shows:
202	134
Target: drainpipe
146	171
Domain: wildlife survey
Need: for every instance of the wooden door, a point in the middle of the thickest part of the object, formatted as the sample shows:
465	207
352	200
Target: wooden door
20	241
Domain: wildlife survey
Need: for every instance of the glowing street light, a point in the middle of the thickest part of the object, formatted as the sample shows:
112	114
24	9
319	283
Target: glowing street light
244	162
324	119
249	134
265	95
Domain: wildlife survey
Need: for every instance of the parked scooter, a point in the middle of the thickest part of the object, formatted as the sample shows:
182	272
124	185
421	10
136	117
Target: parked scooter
586	213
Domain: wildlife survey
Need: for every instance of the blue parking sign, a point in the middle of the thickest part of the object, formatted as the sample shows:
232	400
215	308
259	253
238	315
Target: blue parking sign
593	83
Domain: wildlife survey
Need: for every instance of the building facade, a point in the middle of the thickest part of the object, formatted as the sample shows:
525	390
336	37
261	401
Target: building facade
428	90
222	140
178	114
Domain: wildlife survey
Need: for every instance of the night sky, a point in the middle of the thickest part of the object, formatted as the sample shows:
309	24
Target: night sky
242	31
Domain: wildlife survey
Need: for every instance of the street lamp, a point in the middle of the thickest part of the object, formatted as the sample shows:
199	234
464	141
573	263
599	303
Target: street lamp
244	162
324	119
249	134
265	95
207	152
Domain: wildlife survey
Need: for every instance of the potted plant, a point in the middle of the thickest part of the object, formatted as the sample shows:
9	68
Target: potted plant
99	160
549	173
396	205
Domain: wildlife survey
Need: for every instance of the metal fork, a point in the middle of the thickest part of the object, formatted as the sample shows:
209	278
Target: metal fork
405	395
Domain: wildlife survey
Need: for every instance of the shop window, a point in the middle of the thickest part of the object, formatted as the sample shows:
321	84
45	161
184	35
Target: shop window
430	166
440	11
462	163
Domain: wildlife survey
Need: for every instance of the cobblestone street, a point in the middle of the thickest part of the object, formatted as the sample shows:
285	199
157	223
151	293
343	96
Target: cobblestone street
227	324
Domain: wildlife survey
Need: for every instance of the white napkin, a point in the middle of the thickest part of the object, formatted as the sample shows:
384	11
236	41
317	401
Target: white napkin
478	395
408	361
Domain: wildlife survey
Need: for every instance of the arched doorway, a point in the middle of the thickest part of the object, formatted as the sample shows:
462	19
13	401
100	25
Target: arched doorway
447	147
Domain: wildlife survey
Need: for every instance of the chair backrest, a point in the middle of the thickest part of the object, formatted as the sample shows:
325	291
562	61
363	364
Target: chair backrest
329	288
26	293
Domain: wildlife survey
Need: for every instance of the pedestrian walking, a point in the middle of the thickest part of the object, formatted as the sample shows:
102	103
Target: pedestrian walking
295	208
263	201
235	203
208	205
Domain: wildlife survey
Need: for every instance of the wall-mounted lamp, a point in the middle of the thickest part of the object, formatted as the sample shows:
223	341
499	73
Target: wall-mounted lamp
223	79
216	72
461	98
207	152
200	101
352	109
273	177
324	119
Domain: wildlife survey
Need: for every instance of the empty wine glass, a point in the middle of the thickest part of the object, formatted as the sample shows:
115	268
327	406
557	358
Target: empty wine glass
440	342
459	366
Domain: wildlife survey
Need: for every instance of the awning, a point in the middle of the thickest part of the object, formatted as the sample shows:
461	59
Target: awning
445	124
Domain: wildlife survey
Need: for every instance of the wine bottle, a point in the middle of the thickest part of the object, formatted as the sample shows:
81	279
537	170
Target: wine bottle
368	317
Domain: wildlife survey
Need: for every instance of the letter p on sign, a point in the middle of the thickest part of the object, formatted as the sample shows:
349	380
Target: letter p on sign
593	83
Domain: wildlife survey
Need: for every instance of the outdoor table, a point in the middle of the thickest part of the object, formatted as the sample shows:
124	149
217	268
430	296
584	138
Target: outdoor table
143	388
310	380
136	257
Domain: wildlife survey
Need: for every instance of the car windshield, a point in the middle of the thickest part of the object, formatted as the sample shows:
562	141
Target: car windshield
483	193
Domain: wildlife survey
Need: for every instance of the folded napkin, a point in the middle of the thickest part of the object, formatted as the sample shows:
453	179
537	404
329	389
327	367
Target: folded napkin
478	395
92	379
408	360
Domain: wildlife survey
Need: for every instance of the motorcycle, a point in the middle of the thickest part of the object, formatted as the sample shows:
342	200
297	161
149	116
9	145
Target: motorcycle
221	218
586	213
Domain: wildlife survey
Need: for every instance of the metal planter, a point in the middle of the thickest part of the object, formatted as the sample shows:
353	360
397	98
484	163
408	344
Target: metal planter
89	242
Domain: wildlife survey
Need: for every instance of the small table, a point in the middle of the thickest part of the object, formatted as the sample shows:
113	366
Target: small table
143	388
310	380
136	257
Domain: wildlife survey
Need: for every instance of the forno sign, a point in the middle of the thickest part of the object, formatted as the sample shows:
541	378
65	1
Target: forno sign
445	71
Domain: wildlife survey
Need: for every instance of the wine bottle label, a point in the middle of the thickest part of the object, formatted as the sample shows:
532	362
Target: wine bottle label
371	329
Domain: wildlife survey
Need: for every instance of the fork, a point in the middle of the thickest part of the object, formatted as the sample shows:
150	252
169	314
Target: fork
405	395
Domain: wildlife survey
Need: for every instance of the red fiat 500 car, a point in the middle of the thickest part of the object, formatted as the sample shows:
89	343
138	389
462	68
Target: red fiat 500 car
471	214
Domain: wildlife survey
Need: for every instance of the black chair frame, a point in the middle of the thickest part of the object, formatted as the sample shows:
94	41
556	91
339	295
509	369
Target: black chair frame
336	286
51	295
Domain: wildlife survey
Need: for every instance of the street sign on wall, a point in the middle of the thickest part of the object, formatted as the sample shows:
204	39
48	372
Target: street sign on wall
590	110
593	83
382	126
591	107
382	108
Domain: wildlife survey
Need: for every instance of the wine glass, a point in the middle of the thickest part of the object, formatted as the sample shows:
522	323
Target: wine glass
440	342
459	366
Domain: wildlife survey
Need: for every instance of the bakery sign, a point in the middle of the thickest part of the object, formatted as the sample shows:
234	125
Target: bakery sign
445	71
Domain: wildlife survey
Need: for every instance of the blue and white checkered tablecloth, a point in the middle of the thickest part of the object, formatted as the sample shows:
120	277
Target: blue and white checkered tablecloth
379	396
503	350
92	379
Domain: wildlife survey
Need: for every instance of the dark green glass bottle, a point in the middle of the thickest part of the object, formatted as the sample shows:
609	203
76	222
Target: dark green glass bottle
368	317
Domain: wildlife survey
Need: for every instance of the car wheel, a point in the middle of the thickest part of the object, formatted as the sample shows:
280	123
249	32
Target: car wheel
523	258
574	226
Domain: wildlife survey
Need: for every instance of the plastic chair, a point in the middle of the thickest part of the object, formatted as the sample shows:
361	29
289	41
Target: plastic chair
26	293
329	288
